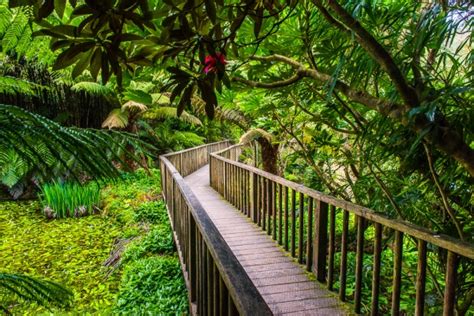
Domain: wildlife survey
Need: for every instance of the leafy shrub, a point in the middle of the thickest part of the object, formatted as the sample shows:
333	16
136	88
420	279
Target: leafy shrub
152	286
153	212
158	241
69	199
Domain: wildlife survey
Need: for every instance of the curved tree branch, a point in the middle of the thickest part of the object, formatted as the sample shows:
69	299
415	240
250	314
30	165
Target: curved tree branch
273	85
437	132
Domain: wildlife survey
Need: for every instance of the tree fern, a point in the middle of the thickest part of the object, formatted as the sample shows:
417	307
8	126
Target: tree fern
31	289
11	85
16	30
93	150
167	112
12	167
93	88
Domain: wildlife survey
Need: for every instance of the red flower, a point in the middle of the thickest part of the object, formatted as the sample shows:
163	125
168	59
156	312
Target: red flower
211	61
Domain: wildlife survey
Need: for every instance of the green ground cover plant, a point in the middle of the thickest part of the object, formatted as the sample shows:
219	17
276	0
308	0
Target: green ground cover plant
72	252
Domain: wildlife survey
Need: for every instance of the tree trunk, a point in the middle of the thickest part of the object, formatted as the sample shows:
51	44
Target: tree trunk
269	156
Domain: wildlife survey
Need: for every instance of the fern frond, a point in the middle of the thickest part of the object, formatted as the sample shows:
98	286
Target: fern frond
17	30
167	112
160	99
11	85
12	167
254	134
117	119
134	107
5	19
93	88
42	292
221	114
93	150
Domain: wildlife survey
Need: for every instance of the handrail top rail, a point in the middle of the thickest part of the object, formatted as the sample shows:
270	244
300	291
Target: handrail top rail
458	246
192	148
233	274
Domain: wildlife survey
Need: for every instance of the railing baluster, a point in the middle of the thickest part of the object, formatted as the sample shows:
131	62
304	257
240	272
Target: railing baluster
269	207
274	210
216	290
450	288
376	269
265	203
255	196
192	259
343	268
280	215
287	243
359	264
223	295
210	285
397	272
321	241
301	228
332	243
420	279
309	241
293	223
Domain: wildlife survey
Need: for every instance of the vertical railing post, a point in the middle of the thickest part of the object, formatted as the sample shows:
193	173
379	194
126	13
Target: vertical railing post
450	288
254	197
320	241
193	259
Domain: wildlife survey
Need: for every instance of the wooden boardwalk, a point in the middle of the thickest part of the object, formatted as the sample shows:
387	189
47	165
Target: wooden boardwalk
283	284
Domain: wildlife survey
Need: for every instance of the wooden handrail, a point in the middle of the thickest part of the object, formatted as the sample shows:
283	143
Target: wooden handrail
217	284
265	198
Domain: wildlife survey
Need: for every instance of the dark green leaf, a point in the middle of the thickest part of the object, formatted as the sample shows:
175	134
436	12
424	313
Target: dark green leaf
185	99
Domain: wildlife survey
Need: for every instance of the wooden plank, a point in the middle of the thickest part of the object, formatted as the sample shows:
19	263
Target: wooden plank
270	270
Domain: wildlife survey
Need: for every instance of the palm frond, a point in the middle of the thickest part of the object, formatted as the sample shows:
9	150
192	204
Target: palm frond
255	134
166	112
42	292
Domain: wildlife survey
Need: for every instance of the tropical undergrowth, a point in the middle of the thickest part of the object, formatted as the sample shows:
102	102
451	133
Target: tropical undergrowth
82	253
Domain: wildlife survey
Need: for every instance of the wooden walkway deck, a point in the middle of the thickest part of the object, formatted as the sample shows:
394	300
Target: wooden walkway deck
283	283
